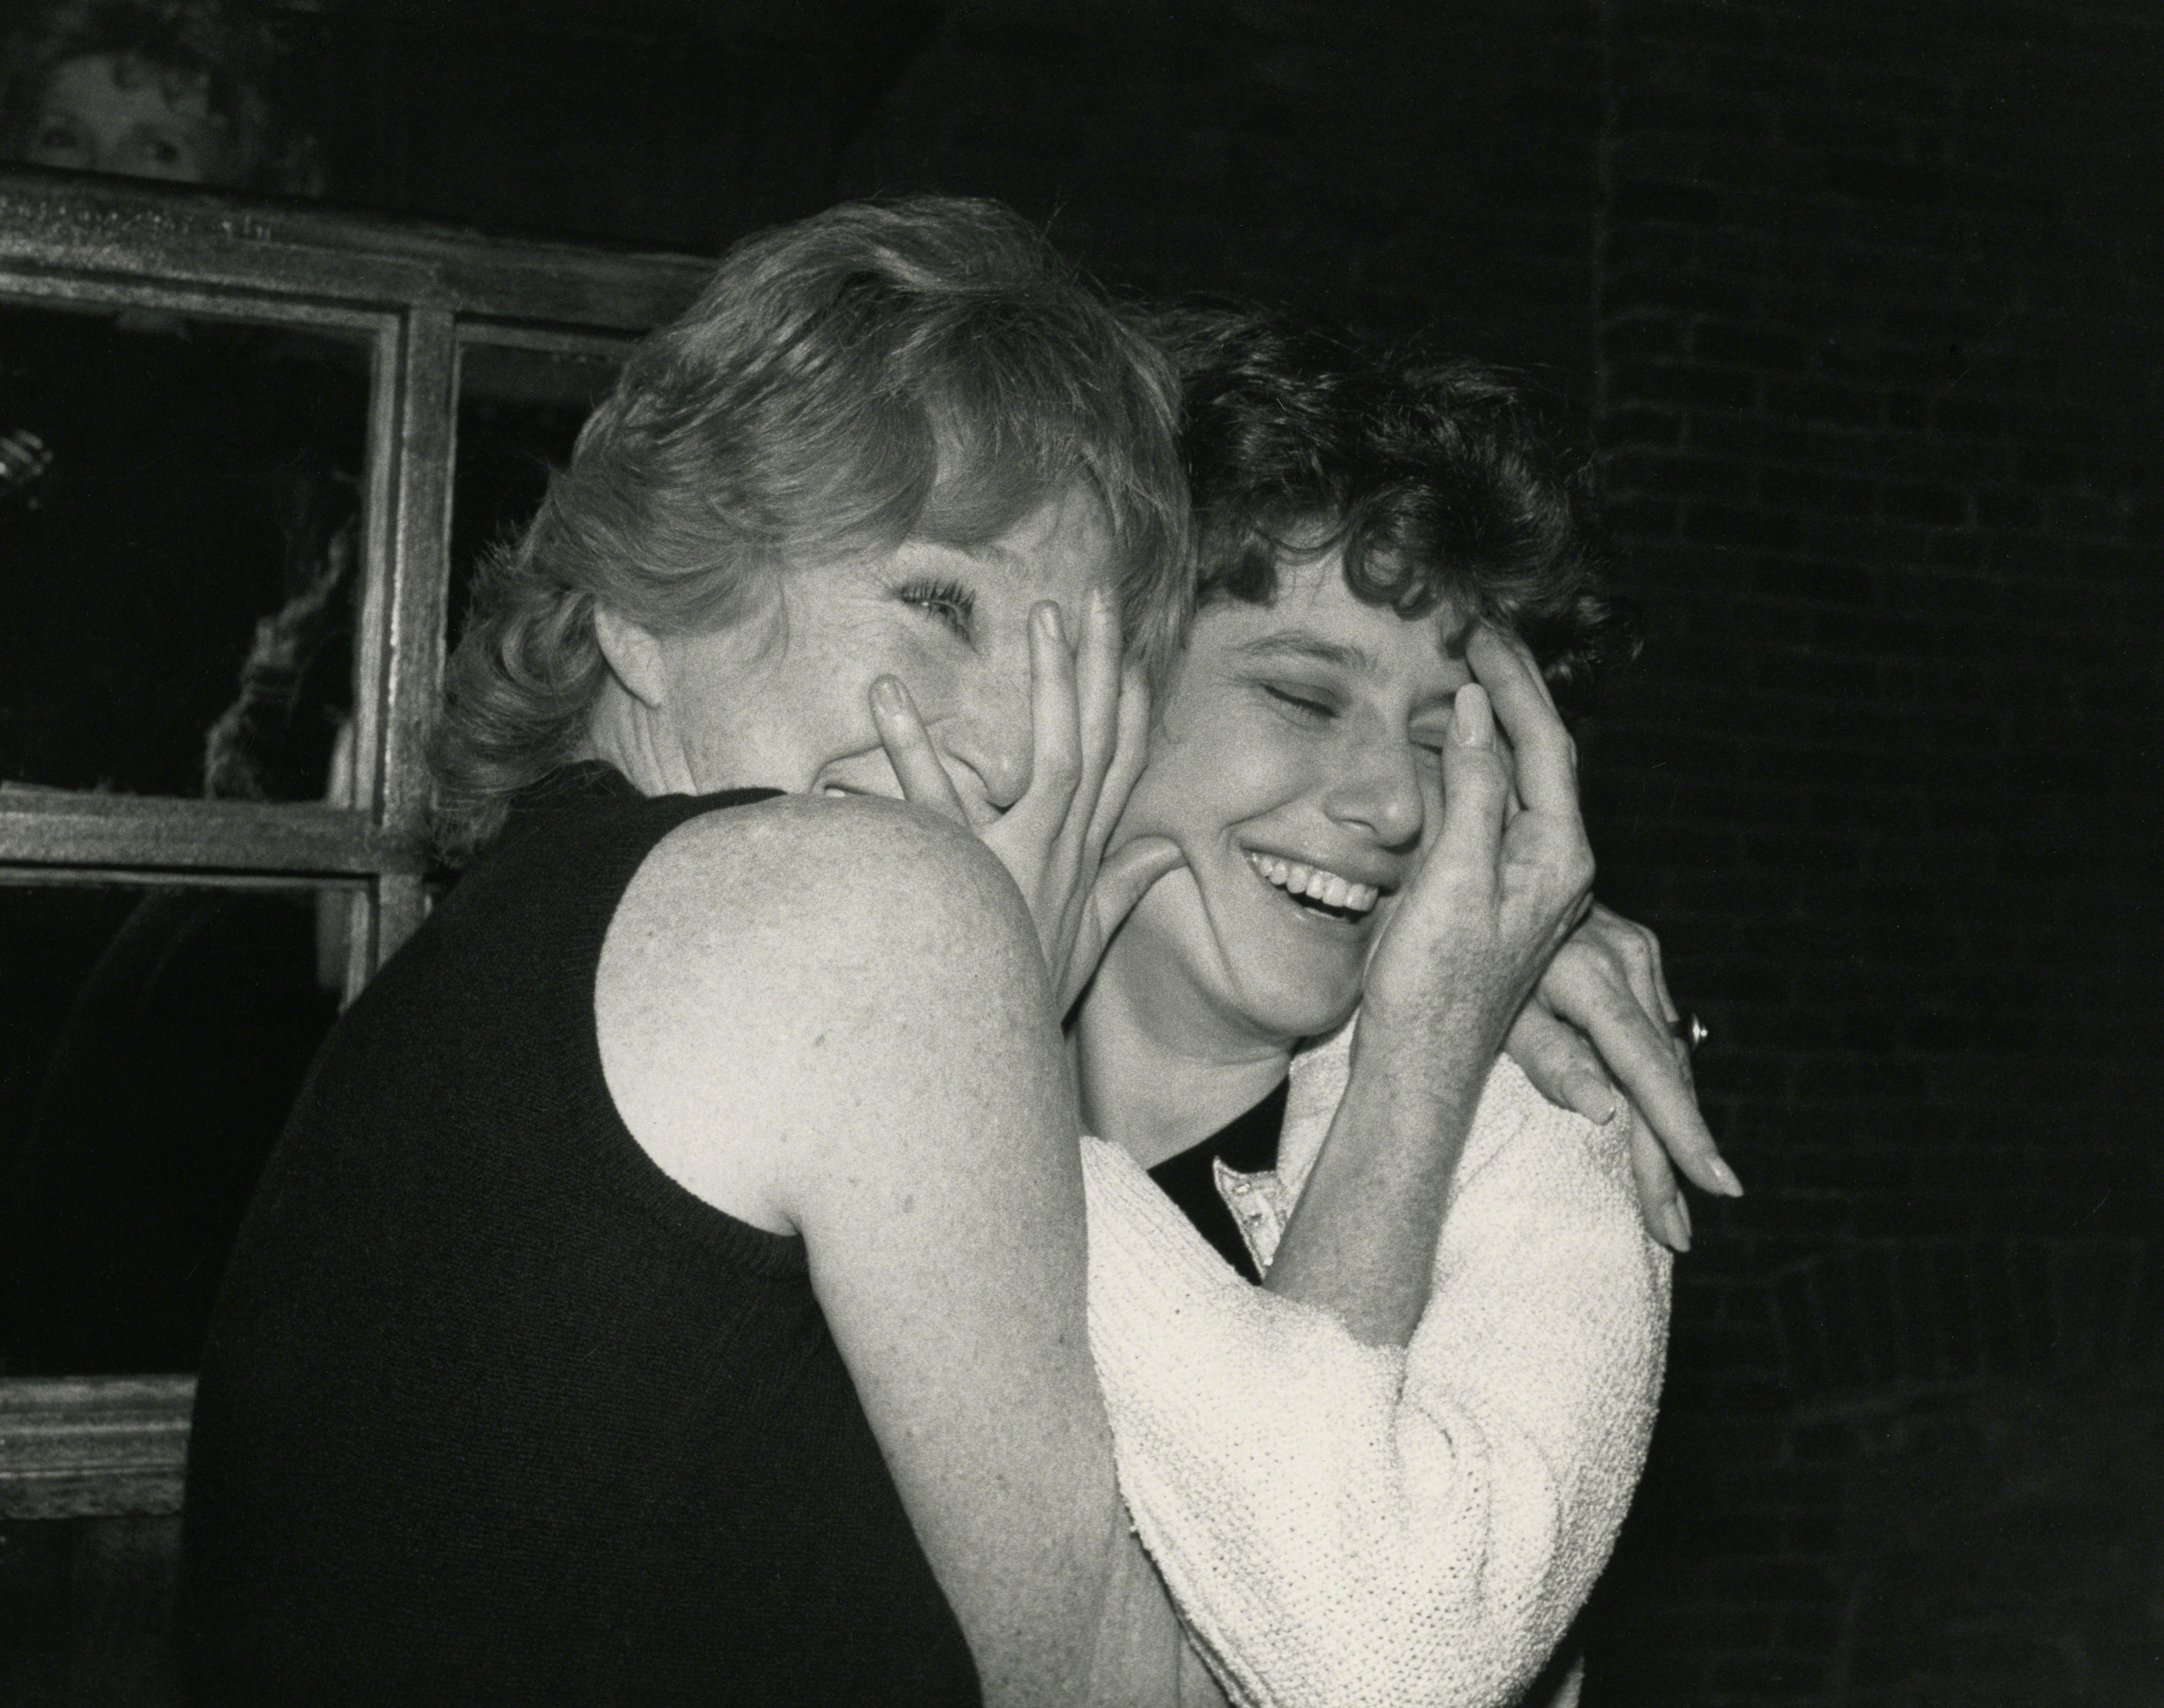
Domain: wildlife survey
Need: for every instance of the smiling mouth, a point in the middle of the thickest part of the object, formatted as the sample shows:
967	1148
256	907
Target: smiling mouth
1315	889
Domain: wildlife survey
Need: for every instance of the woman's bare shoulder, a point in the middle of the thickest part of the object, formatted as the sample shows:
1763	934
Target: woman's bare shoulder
833	875
773	968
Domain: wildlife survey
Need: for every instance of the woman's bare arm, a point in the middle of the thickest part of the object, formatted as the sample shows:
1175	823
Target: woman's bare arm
833	1016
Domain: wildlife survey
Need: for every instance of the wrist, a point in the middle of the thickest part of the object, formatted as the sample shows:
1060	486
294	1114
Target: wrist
1433	1049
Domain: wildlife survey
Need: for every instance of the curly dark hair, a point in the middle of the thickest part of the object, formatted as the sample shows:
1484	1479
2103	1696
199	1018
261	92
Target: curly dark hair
1437	478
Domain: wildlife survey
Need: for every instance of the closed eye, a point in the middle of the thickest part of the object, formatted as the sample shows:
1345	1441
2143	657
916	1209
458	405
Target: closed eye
1306	706
949	602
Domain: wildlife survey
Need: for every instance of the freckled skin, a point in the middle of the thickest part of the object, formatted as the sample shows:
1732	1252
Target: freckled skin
782	700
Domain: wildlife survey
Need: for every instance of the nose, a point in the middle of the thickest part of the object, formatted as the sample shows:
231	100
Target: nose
989	734
1380	792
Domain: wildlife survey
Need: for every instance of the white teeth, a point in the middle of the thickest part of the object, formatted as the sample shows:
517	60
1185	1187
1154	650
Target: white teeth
1327	887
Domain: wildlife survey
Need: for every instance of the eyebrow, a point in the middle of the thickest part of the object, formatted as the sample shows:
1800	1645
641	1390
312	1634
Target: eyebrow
1305	643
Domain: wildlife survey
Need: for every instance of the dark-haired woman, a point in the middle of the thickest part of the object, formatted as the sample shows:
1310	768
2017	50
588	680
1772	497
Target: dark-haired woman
1391	1471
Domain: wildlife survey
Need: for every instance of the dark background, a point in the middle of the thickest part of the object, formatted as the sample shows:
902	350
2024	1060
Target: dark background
1860	306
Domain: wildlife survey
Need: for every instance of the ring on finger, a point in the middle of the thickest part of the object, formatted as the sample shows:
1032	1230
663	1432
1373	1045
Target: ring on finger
1690	1030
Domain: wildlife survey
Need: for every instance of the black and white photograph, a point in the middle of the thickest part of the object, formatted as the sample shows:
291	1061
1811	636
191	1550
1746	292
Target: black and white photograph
1082	853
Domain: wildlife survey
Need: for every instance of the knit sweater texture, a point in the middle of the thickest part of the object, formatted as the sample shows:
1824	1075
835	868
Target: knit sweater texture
1357	1525
492	1410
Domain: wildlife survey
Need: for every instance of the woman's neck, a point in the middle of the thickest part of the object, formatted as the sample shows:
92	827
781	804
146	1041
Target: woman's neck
1156	1074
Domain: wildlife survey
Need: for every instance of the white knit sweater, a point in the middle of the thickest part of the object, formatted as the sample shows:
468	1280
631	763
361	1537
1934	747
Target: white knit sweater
1343	1525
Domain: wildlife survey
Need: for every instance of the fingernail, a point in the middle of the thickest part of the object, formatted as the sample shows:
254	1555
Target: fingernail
1047	619
1727	1176
887	698
1472	723
1679	1223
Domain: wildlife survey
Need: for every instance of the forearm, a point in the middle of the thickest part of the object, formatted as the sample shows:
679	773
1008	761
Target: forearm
1361	1242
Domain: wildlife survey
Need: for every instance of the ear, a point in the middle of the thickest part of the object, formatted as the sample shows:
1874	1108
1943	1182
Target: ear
634	654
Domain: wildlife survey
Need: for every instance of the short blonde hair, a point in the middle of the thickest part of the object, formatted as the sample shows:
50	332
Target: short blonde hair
928	369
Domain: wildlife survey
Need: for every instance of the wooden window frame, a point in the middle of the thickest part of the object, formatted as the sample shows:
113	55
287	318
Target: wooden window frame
418	295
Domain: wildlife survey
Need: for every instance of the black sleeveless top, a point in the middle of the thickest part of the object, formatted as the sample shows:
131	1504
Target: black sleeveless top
491	1409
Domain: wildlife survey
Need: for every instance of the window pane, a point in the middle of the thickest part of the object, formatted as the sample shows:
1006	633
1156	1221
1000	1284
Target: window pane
151	1040
179	510
519	411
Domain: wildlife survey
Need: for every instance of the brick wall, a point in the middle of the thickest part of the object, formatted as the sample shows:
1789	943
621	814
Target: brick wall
1399	165
1879	357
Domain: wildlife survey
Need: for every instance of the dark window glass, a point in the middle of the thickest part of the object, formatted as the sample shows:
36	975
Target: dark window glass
178	532
520	409
152	1038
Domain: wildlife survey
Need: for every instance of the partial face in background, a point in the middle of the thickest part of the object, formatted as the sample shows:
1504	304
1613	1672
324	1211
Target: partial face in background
102	113
1297	765
780	701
